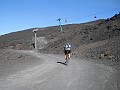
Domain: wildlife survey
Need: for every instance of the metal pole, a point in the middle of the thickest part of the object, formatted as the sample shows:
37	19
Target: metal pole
60	24
35	31
35	41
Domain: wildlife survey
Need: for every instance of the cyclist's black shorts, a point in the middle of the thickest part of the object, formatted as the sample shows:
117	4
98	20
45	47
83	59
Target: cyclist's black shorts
67	51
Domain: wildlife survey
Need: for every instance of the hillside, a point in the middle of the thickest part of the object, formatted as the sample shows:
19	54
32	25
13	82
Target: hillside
97	39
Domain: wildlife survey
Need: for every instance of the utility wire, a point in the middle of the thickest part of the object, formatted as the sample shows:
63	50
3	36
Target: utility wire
68	20
92	15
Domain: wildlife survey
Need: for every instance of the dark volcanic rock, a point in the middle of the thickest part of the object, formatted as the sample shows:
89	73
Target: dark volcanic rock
92	40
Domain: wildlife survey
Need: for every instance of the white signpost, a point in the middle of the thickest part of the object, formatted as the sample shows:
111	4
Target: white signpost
35	31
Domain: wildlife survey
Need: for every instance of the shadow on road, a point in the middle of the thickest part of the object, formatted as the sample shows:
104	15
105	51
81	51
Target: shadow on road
63	63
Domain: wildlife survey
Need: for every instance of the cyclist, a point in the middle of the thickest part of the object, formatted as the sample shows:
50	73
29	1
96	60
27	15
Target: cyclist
67	51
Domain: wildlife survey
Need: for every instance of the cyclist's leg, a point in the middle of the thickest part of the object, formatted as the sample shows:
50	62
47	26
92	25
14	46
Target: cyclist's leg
67	58
65	54
69	53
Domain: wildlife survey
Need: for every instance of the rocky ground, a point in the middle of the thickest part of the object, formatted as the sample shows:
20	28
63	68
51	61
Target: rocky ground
12	61
98	40
31	70
96	44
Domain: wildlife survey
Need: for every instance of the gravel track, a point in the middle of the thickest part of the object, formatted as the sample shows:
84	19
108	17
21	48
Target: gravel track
48	72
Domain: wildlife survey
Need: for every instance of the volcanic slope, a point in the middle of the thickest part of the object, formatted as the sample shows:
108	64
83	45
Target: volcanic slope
98	39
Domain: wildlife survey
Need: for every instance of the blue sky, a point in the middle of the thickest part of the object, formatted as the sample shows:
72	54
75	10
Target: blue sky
16	15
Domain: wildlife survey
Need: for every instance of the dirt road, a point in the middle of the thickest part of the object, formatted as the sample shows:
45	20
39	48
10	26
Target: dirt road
49	73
